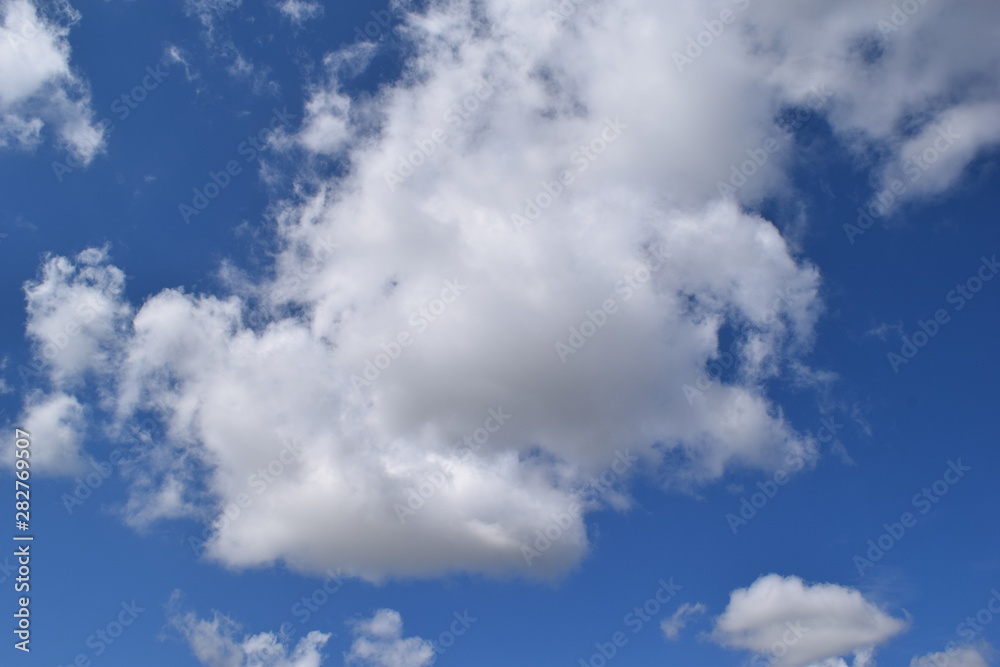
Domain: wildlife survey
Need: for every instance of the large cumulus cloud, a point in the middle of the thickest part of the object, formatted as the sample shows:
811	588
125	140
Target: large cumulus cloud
531	223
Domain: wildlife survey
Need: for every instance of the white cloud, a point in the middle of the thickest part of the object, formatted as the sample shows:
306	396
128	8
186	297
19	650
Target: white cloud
220	643
672	626
486	123
213	15
209	12
794	624
326	124
20	132
57	420
175	55
379	642
37	84
300	11
883	331
154	498
4	387
959	656
934	159
75	314
75	318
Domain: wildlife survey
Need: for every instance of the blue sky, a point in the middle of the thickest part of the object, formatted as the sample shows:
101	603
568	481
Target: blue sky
502	333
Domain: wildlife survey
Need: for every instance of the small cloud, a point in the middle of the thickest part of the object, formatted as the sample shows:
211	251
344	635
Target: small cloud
837	448
816	378
300	11
379	643
672	626
883	330
794	624
957	656
174	55
56	419
208	12
21	223
220	643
